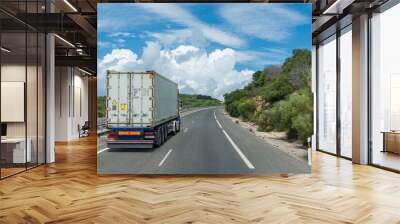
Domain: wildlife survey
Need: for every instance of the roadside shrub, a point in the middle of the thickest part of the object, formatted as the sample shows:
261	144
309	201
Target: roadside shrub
232	109
265	120
303	124
246	108
294	114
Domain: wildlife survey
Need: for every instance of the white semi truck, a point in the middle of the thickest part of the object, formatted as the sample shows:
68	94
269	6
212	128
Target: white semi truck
142	109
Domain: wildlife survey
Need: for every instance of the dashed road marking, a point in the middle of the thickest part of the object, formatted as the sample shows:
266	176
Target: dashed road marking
102	150
165	157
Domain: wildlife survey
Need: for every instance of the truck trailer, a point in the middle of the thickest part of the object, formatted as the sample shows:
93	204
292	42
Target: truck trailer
142	109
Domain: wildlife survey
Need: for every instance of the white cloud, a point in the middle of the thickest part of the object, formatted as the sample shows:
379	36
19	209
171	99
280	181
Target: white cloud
103	44
262	57
272	22
120	41
184	17
195	70
121	34
178	37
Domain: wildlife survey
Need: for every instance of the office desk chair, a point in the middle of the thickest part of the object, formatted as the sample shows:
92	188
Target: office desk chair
84	130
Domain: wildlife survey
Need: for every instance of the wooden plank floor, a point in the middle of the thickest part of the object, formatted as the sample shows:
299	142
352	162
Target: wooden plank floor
70	191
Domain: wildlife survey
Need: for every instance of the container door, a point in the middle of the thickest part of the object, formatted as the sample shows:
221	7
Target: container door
147	100
118	100
141	99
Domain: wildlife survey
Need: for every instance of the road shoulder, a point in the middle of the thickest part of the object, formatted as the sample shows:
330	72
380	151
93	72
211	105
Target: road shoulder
276	139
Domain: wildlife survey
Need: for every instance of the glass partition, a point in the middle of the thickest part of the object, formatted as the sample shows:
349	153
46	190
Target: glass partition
13	86
327	95
22	91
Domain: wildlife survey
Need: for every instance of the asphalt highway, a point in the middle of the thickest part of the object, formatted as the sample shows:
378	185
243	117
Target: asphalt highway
209	143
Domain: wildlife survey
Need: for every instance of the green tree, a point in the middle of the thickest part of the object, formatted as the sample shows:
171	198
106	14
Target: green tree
277	89
297	67
258	79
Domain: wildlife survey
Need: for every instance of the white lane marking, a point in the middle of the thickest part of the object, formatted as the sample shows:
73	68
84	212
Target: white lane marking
165	157
185	130
219	124
194	111
244	158
102	150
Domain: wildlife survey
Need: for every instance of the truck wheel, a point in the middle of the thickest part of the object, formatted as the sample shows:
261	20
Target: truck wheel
162	135
174	128
165	132
178	126
157	137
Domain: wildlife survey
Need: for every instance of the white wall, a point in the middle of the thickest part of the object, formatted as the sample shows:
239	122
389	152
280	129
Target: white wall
71	87
10	73
33	126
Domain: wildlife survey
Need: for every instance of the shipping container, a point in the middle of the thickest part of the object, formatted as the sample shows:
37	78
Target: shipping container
141	105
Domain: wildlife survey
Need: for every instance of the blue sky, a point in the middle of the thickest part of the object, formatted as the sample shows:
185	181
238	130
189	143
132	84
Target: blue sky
206	48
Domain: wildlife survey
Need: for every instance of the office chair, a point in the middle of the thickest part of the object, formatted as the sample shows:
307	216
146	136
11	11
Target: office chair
84	130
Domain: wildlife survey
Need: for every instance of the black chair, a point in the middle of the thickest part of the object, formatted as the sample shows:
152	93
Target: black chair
84	130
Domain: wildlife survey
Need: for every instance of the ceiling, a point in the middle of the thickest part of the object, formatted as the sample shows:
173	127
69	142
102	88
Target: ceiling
75	22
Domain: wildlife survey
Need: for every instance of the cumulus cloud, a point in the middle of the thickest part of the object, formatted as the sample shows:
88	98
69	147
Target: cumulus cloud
195	70
256	20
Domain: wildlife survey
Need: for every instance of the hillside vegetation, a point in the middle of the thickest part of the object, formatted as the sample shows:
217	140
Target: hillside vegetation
188	101
278	98
101	106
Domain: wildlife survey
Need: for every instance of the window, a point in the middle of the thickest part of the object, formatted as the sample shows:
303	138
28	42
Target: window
327	95
346	92
385	88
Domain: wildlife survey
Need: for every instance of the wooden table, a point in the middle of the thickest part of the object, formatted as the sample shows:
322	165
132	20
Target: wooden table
391	141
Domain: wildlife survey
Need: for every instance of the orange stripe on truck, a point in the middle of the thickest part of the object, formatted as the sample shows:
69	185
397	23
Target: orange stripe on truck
125	133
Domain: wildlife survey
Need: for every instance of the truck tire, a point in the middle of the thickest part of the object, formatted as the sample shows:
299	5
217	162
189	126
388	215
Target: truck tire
178	126
174	127
162	134
165	132
157	141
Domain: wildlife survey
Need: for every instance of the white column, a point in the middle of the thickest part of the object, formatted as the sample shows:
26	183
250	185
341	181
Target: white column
50	99
50	92
360	90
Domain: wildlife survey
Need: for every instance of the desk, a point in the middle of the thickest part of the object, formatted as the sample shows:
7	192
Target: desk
391	141
15	148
